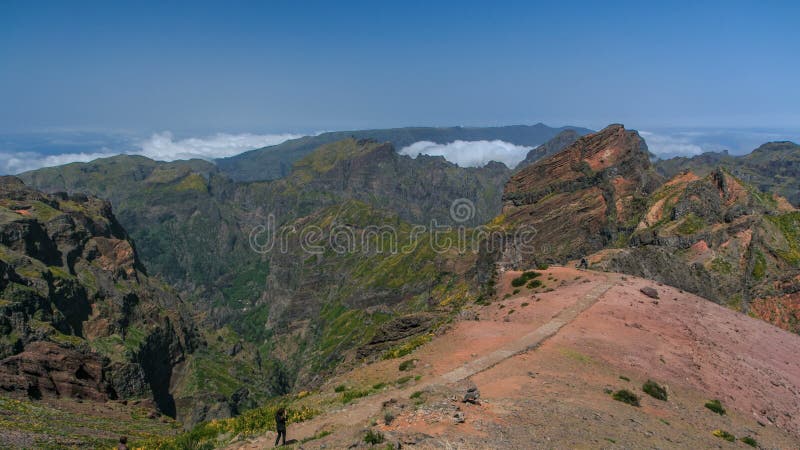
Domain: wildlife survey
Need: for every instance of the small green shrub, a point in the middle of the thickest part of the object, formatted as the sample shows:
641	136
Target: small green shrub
417	394
524	305
506	296
340	388
404	349
379	386
533	284
542	266
373	437
716	406
404	380
524	278
516	291
750	441
626	396
722	434
408	365
655	390
388	417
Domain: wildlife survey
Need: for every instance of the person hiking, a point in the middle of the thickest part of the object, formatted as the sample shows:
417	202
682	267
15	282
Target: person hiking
583	264
123	443
280	425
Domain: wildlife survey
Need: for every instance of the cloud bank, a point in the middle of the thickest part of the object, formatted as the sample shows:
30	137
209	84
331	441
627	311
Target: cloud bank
159	146
671	145
470	153
163	147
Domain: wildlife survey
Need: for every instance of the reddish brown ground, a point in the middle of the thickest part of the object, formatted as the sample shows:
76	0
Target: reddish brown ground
553	396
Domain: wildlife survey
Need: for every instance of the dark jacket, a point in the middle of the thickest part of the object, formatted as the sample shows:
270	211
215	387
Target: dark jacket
280	420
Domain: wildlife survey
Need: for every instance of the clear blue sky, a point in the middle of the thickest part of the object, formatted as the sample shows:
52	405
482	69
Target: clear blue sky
205	67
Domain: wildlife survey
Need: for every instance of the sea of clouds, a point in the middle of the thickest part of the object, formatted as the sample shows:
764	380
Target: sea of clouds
159	146
470	153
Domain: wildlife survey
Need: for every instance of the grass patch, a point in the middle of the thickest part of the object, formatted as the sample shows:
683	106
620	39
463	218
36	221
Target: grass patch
319	435
373	437
716	406
655	390
516	291
416	394
722	434
533	284
626	396
349	396
750	441
404	380
379	386
340	388
408	365
408	347
524	305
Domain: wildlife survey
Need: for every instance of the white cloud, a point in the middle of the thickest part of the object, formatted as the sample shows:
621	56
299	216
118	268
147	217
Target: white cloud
163	147
470	153
671	145
160	146
18	162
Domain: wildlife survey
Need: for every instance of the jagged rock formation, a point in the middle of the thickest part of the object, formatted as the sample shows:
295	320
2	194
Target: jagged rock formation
581	199
79	317
773	167
715	236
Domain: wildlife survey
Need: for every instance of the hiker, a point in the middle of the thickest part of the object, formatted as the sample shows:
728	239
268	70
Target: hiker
123	443
583	264
280	425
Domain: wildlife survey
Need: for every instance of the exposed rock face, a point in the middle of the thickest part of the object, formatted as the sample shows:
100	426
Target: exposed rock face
773	167
79	317
717	237
581	199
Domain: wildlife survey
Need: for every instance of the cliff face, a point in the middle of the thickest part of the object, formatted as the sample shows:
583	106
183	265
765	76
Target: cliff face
581	199
720	238
79	317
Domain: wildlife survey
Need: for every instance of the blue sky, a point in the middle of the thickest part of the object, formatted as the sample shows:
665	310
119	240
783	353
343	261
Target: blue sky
202	68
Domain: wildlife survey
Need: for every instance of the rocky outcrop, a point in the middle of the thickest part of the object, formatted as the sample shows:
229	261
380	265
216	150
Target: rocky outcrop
79	317
549	148
579	200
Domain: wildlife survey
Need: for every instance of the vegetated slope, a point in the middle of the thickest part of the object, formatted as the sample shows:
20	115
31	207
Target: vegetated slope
523	373
80	317
276	161
773	167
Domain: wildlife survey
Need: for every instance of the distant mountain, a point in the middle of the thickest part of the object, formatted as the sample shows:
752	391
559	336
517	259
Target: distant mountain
772	167
556	144
276	161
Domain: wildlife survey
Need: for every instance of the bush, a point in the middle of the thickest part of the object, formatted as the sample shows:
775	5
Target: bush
416	394
516	291
626	396
533	284
388	417
408	365
373	437
750	441
379	386
655	390
722	434
340	388
404	380
716	406
524	278
542	266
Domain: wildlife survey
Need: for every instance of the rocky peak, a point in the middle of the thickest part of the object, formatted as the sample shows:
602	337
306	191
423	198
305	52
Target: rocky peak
583	197
551	147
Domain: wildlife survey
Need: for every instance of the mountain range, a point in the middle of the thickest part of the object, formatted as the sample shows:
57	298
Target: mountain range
183	272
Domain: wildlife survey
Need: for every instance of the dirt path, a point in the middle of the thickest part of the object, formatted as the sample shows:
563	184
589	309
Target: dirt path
360	411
